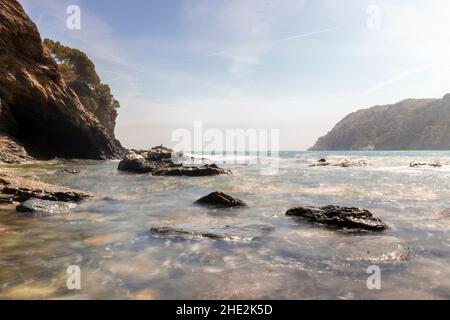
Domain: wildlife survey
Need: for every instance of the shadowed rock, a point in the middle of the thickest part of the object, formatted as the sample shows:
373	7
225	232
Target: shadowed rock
233	233
220	200
339	217
38	207
20	189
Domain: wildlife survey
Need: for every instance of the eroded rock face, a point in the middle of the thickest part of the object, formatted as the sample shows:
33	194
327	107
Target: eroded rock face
42	208
220	200
12	151
339	217
37	107
20	190
158	162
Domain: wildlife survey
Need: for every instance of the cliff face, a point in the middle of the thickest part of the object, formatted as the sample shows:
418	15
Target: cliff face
38	108
412	124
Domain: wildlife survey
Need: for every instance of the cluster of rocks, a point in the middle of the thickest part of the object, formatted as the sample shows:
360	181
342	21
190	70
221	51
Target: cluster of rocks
340	218
341	163
159	162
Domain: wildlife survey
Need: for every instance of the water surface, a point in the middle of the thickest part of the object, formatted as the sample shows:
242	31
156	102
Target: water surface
109	238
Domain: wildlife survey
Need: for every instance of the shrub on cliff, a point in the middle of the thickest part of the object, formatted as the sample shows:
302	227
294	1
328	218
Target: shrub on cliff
75	65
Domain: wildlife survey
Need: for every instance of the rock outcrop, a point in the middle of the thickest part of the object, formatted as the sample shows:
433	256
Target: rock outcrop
220	200
37	107
12	151
356	219
413	124
158	162
19	189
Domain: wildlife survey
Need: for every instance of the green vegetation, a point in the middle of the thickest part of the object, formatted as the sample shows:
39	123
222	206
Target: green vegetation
75	66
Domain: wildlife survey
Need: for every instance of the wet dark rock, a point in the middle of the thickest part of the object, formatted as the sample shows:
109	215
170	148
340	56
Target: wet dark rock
206	170
339	217
233	233
69	171
221	200
424	164
341	163
38	207
158	161
21	189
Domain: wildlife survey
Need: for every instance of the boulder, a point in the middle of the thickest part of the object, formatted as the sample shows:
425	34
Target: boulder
220	200
339	217
38	207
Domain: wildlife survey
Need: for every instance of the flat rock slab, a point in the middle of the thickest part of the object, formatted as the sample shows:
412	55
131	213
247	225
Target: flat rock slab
20	189
221	200
40	208
230	233
355	219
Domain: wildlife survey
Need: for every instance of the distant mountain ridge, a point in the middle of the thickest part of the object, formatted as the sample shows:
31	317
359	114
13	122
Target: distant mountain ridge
412	124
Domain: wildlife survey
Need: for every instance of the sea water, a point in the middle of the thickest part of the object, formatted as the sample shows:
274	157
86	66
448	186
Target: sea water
109	239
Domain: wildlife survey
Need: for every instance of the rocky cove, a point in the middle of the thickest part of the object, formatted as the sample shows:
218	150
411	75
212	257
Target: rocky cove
148	224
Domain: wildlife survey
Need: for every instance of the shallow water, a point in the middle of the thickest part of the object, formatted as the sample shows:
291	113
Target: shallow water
109	238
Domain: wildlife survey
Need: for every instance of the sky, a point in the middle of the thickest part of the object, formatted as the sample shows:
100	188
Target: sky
299	66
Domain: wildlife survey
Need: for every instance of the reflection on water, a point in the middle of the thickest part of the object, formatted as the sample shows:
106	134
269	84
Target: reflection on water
109	237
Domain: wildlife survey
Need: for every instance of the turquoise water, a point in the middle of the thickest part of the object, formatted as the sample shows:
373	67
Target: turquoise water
109	238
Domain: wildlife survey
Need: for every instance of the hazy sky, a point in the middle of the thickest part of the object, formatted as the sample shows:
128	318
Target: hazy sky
296	65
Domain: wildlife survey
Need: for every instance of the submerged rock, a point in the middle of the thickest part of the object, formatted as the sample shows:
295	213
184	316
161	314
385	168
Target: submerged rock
431	165
233	233
341	163
38	207
158	161
69	171
339	217
21	189
221	200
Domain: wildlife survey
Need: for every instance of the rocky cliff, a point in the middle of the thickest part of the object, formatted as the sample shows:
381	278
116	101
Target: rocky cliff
413	124
37	108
